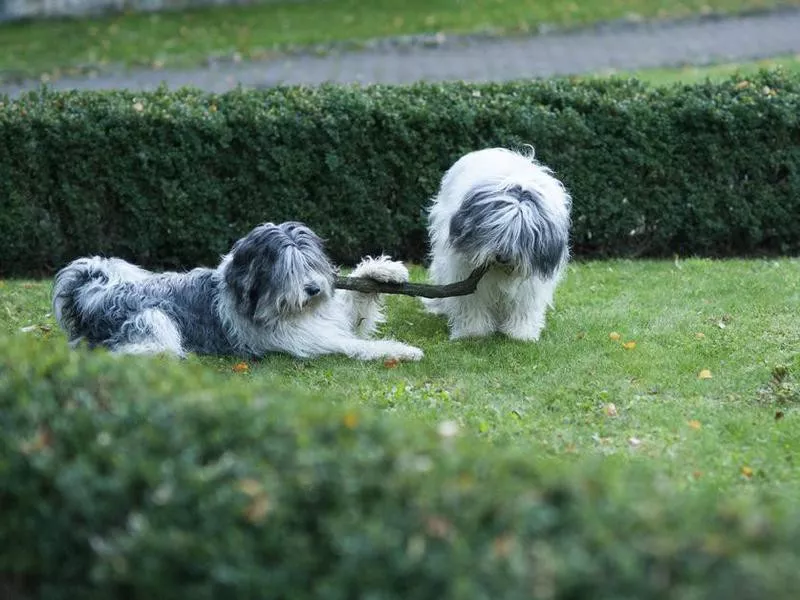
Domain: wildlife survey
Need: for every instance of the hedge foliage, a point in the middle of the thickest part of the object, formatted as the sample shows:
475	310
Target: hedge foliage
136	478
172	179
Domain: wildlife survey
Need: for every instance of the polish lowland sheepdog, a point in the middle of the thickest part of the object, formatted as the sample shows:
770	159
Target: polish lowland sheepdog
274	292
501	209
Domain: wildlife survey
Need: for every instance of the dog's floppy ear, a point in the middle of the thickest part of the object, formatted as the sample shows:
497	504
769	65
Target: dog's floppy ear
247	272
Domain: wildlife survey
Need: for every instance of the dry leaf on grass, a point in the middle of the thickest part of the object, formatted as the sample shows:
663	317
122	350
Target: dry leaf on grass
700	335
250	487
747	471
350	420
241	367
635	442
259	507
391	363
614	336
629	345
694	424
611	409
438	527
705	374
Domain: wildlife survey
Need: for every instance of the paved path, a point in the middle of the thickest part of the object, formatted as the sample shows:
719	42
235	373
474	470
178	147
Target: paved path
600	48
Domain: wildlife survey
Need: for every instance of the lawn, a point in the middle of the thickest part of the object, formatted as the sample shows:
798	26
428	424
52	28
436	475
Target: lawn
188	38
716	72
694	382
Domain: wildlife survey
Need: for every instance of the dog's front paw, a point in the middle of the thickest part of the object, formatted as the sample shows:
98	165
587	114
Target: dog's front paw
408	353
382	269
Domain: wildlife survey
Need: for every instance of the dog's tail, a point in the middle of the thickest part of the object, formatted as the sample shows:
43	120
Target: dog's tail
70	290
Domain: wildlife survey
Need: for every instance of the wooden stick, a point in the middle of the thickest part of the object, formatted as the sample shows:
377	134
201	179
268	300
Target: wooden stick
372	286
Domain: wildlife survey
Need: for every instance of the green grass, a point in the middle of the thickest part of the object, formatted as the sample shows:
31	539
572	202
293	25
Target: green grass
736	318
716	72
187	38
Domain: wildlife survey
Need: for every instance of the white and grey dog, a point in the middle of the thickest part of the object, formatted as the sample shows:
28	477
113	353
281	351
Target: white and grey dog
503	209
274	292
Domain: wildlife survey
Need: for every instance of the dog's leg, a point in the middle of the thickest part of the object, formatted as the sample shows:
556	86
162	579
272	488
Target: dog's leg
469	317
327	333
377	349
149	332
527	317
365	311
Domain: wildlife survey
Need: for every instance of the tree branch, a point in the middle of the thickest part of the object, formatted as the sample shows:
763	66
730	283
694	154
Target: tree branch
372	286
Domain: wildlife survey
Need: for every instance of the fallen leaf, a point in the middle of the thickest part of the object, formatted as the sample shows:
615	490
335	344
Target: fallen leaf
614	336
694	424
258	509
704	374
438	527
43	439
251	487
634	442
138	106
697	474
391	363
503	545
742	85
778	415
350	420
629	345
241	367
611	409
700	335
747	471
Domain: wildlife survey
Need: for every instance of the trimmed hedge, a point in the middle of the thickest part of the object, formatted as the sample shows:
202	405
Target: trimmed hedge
172	179
135	478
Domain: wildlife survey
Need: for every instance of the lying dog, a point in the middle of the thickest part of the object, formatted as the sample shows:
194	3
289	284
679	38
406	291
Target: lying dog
273	292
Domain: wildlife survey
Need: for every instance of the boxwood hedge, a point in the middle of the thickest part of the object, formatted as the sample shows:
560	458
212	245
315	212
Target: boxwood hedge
136	478
172	179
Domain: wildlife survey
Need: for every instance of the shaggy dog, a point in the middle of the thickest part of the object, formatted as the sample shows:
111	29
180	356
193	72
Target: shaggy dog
274	292
499	208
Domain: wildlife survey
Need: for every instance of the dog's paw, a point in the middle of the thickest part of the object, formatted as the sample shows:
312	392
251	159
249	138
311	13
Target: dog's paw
466	333
409	353
382	269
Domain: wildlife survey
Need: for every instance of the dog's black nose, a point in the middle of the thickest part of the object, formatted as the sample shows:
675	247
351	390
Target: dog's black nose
312	290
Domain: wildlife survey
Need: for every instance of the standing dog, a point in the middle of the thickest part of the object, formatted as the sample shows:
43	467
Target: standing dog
274	292
499	208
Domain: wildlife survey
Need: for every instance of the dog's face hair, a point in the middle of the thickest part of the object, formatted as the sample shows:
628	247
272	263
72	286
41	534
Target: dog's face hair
278	269
510	226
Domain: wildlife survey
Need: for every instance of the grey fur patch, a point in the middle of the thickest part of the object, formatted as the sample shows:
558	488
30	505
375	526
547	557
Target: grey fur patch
509	226
99	302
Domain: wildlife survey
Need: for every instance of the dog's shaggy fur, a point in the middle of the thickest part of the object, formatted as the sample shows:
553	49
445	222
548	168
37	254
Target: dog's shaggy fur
499	208
274	292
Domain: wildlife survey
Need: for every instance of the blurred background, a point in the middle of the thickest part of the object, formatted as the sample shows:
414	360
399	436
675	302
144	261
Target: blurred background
219	44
